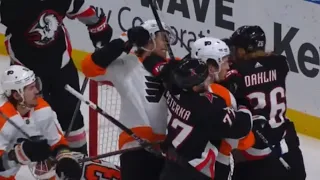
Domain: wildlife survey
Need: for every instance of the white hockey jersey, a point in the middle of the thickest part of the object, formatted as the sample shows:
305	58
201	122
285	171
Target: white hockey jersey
143	107
41	121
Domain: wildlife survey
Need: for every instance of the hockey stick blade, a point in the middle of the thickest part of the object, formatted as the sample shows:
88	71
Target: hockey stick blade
146	145
264	139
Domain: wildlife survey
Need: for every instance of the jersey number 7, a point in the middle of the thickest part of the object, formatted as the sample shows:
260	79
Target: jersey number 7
184	128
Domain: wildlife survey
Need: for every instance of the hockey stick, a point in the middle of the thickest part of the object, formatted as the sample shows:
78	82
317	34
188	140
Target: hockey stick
170	154
83	88
153	5
15	125
156	16
75	113
264	139
146	145
113	153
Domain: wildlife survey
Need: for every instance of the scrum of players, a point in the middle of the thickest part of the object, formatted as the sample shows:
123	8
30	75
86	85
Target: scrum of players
218	101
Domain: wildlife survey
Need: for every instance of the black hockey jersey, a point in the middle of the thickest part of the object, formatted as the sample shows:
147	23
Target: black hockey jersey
36	35
260	85
198	123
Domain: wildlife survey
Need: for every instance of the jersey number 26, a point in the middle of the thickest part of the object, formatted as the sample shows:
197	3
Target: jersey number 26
275	100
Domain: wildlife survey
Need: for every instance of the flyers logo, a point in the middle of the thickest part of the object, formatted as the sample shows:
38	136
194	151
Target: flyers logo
99	172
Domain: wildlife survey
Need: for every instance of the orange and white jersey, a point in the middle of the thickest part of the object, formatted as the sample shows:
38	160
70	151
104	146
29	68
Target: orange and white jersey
99	169
41	121
143	107
228	144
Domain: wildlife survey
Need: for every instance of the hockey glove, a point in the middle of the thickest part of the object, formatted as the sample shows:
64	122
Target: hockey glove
67	166
27	151
138	36
101	32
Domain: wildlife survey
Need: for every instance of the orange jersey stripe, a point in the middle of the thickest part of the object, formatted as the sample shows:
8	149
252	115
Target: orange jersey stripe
7	178
144	132
221	91
246	142
41	104
90	69
8	110
62	142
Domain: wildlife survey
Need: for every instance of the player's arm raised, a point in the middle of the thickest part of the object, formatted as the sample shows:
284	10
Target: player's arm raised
95	64
94	18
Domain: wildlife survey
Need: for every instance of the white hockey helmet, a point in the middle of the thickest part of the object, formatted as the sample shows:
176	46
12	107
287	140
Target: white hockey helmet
17	77
210	48
152	27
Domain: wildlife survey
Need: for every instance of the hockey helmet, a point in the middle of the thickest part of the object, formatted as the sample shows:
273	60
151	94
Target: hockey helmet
17	77
250	38
152	27
210	48
190	72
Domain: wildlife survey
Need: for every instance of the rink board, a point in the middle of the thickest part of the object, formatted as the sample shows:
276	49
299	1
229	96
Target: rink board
305	123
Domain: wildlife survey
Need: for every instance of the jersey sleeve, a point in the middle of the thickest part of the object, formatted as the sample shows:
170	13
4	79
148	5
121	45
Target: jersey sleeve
6	134
283	65
52	130
229	123
97	63
80	8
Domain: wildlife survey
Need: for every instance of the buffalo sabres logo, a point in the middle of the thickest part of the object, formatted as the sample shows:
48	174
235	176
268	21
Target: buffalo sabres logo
44	31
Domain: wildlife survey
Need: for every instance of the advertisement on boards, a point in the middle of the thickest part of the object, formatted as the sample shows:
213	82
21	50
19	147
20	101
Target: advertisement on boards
291	27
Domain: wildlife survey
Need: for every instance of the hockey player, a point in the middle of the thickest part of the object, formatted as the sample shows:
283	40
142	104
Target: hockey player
37	38
258	80
198	120
23	111
91	170
143	107
216	54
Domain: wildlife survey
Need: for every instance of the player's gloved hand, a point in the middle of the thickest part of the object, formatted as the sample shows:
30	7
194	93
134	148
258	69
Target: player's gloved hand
101	32
138	36
231	80
259	122
27	151
67	166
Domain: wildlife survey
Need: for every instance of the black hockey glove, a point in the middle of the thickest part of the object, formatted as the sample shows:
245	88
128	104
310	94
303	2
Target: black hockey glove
138	36
67	166
26	151
101	32
231	80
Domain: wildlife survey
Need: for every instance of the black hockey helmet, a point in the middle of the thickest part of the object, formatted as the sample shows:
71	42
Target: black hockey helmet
190	72
250	38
